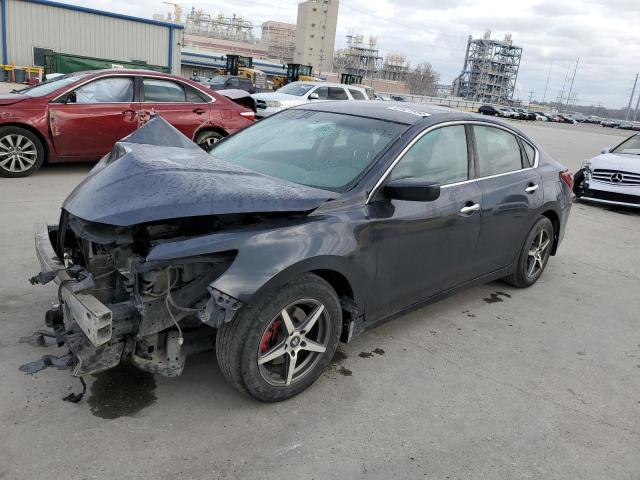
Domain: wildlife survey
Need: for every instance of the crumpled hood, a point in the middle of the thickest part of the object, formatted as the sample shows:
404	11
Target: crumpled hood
616	161
11	98
156	173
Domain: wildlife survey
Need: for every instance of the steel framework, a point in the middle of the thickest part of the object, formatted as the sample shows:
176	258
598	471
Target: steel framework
490	70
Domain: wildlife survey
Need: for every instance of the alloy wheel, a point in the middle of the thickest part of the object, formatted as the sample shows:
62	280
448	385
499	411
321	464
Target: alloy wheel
17	153
293	342
538	253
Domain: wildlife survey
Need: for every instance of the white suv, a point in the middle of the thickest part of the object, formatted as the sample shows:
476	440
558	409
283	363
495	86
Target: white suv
298	93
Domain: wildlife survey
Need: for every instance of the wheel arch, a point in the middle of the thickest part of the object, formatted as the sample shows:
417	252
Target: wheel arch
209	128
553	216
45	143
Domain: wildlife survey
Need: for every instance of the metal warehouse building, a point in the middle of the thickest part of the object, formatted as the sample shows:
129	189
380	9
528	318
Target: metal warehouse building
31	27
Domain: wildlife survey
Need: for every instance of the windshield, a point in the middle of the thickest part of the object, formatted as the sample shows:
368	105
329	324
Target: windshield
218	80
318	149
630	146
297	89
50	86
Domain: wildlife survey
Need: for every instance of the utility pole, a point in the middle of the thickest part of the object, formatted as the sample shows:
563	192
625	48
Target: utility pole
572	80
633	92
530	97
544	97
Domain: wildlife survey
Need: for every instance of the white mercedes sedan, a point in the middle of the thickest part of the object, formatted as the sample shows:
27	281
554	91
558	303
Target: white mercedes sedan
612	177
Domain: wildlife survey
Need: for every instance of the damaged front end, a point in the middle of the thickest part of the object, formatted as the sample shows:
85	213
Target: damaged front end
113	305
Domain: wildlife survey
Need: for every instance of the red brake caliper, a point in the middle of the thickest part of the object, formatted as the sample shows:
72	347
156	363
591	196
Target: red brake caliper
270	336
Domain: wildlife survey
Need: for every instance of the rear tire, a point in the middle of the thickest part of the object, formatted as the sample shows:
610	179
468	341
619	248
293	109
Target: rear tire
207	139
256	350
21	152
534	255
578	183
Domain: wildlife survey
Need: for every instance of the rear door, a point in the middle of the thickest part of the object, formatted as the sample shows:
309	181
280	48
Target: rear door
337	93
511	191
427	247
87	121
181	105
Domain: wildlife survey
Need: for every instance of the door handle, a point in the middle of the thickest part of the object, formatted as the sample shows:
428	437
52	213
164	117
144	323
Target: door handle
199	111
470	208
531	188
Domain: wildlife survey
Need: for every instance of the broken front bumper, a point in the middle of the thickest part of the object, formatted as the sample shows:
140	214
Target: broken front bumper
86	322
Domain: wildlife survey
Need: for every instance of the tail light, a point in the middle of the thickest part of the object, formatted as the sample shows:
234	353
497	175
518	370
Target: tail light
567	177
249	115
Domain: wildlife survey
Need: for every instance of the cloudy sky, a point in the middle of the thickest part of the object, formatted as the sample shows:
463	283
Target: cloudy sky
604	34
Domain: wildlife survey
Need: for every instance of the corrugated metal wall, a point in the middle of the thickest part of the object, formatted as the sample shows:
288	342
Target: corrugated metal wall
80	33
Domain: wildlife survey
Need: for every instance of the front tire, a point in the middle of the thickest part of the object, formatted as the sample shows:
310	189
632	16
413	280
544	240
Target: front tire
21	152
578	183
534	255
277	348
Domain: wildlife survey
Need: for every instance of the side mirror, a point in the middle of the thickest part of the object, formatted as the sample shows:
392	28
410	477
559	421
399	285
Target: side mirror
314	96
606	150
412	189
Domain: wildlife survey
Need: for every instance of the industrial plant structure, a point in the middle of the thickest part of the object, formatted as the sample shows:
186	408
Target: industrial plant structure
359	58
280	40
490	70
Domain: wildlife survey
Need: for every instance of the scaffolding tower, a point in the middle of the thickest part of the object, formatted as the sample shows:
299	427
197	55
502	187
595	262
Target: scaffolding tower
395	67
359	58
490	70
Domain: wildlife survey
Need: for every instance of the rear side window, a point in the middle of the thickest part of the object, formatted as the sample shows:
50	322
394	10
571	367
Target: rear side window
194	96
337	93
498	151
162	91
357	94
440	156
530	154
106	90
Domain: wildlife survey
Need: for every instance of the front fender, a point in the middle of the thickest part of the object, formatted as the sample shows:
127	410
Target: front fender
268	258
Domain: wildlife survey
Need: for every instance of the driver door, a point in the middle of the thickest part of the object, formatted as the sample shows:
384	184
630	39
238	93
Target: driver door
425	248
87	122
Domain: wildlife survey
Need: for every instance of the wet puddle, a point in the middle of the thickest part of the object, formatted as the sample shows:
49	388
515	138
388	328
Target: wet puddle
495	297
336	364
121	392
377	351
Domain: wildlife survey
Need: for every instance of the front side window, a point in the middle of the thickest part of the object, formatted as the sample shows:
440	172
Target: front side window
337	93
357	94
498	151
322	92
320	149
296	88
106	90
440	156
163	91
630	146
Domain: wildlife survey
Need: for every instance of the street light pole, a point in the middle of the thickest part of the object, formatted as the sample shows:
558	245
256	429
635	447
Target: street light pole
633	92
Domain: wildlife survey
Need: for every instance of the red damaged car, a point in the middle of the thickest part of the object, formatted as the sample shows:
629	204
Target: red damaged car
81	115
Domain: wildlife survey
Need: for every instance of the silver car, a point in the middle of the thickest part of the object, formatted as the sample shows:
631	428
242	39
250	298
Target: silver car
299	93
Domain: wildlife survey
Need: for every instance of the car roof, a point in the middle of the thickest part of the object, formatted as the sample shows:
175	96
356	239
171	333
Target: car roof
401	112
329	84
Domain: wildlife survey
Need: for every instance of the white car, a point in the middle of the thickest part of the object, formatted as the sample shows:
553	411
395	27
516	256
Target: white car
612	177
298	93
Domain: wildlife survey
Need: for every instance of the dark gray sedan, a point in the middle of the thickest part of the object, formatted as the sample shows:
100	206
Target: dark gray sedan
302	230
